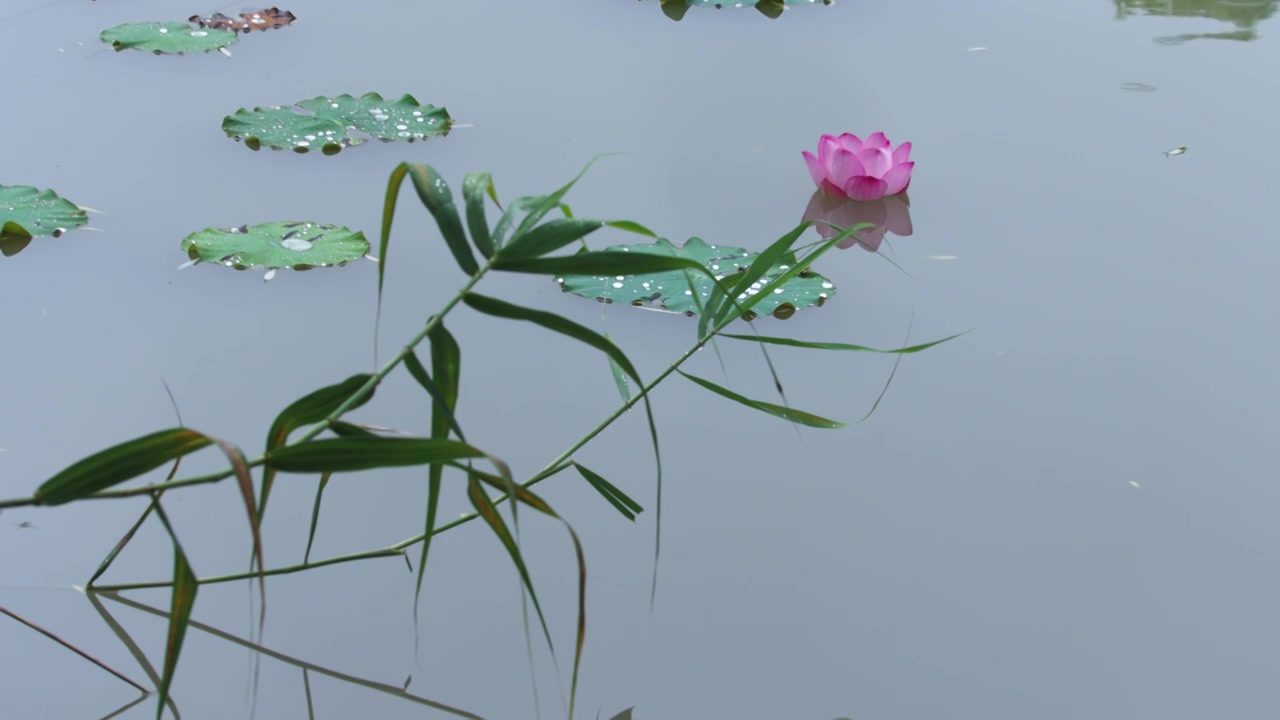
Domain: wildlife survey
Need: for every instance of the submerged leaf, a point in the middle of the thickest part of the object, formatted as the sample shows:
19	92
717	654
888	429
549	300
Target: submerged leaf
289	245
171	38
670	290
26	212
331	123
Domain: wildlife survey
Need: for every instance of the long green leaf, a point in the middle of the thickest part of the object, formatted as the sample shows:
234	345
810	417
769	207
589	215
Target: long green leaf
436	202
543	475
315	515
761	265
128	536
619	376
119	546
549	237
517	206
474	187
618	499
346	429
119	463
550	202
183	600
526	496
837	346
311	408
510	489
438	401
355	453
631	227
799	417
551	321
592	263
580	641
245	483
434	193
489	513
389	201
555	234
600	262
446	365
802	265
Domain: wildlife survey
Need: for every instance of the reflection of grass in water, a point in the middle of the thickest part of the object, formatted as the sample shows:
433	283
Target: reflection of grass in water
1241	13
1239	35
296	662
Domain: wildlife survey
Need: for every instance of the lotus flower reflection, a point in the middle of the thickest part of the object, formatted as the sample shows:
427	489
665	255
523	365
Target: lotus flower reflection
848	166
832	215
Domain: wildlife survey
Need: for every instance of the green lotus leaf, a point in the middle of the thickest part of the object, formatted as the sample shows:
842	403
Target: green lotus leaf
26	212
332	123
172	38
671	290
288	245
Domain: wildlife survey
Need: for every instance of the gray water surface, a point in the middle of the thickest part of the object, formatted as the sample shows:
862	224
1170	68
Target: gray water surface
1066	513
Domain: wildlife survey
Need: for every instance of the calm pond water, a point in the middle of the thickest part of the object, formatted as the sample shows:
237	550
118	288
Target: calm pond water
1066	513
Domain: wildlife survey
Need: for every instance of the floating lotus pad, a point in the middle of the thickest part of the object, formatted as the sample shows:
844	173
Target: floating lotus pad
329	123
172	38
289	245
670	290
26	212
675	9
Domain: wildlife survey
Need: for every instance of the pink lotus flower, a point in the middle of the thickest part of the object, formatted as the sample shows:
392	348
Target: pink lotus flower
833	215
848	166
